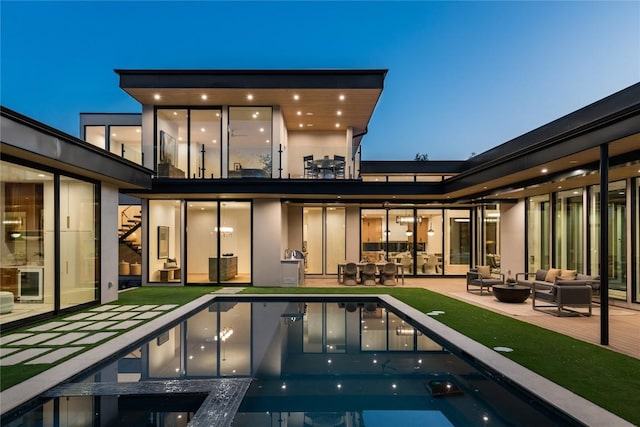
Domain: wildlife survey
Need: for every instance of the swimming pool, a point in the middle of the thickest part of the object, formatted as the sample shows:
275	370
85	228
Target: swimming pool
297	361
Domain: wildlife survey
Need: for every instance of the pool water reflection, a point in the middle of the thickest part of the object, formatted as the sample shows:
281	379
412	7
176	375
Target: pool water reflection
337	362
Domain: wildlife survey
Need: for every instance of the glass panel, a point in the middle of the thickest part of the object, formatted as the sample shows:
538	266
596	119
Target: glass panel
373	328
312	239
430	258
78	242
637	239
401	334
204	144
235	242
235	339
164	355
202	348
130	237
95	135
126	141
373	221
336	328
491	232
249	142
617	232
569	232
27	230
171	143
400	238
202	242
164	241
458	241
538	232
335	247
312	328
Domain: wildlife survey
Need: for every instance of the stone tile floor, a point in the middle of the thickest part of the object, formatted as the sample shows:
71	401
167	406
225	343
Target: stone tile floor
56	340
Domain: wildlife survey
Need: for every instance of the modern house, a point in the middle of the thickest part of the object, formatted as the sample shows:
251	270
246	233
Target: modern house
225	172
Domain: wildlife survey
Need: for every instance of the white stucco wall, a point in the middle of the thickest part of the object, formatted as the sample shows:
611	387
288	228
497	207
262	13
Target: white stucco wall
267	242
512	244
108	243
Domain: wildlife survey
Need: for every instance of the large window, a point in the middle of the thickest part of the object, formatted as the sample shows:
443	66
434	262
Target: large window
617	233
27	232
250	142
569	234
538	232
457	242
188	142
124	141
78	242
636	226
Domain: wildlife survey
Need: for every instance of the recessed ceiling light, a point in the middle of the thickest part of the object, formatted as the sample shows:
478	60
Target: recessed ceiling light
544	170
308	114
179	138
41	175
254	115
250	97
204	97
214	140
300	125
202	130
113	134
175	113
217	114
268	141
309	124
296	97
337	125
573	162
576	192
341	97
261	129
559	186
137	130
299	113
339	112
156	96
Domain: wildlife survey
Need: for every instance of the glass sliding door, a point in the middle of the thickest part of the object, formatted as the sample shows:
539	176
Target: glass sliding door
617	234
202	241
323	238
400	236
165	238
78	242
538	232
569	236
373	241
491	234
250	142
234	263
126	142
636	227
457	242
429	253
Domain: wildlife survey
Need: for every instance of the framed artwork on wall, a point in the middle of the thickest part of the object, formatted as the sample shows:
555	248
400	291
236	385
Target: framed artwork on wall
168	148
163	242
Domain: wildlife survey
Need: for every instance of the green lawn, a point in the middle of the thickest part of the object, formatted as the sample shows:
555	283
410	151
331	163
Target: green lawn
609	379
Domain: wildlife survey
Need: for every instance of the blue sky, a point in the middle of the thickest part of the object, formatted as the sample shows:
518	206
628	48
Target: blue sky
463	76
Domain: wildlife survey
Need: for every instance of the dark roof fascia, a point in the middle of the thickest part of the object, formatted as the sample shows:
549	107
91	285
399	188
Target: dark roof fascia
615	108
302	187
113	119
26	138
254	79
430	167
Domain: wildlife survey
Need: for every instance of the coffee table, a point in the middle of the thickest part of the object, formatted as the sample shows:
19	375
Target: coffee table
511	293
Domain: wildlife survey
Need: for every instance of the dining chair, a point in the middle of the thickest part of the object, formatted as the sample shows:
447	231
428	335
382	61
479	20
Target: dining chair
338	166
351	274
368	274
388	276
310	168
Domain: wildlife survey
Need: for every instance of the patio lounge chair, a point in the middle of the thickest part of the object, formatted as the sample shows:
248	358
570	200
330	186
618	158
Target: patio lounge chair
483	277
561	294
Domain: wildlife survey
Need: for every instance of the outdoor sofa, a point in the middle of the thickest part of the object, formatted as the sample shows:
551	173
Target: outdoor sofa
554	290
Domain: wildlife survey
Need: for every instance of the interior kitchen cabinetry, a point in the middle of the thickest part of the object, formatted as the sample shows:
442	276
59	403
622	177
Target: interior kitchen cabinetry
371	229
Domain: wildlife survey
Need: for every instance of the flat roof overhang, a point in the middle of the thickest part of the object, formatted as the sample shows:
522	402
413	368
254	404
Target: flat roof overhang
26	139
318	93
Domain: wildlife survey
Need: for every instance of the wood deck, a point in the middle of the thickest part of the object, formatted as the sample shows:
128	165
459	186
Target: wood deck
624	324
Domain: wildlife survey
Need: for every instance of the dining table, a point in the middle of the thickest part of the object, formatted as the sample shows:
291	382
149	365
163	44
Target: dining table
379	266
327	167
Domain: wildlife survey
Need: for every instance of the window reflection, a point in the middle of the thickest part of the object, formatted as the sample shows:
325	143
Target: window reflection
250	142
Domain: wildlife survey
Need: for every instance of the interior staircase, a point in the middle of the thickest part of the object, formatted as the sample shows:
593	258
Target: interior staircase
129	225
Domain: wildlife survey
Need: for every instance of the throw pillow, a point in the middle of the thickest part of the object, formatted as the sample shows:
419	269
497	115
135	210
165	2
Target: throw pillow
568	275
484	270
540	275
551	275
